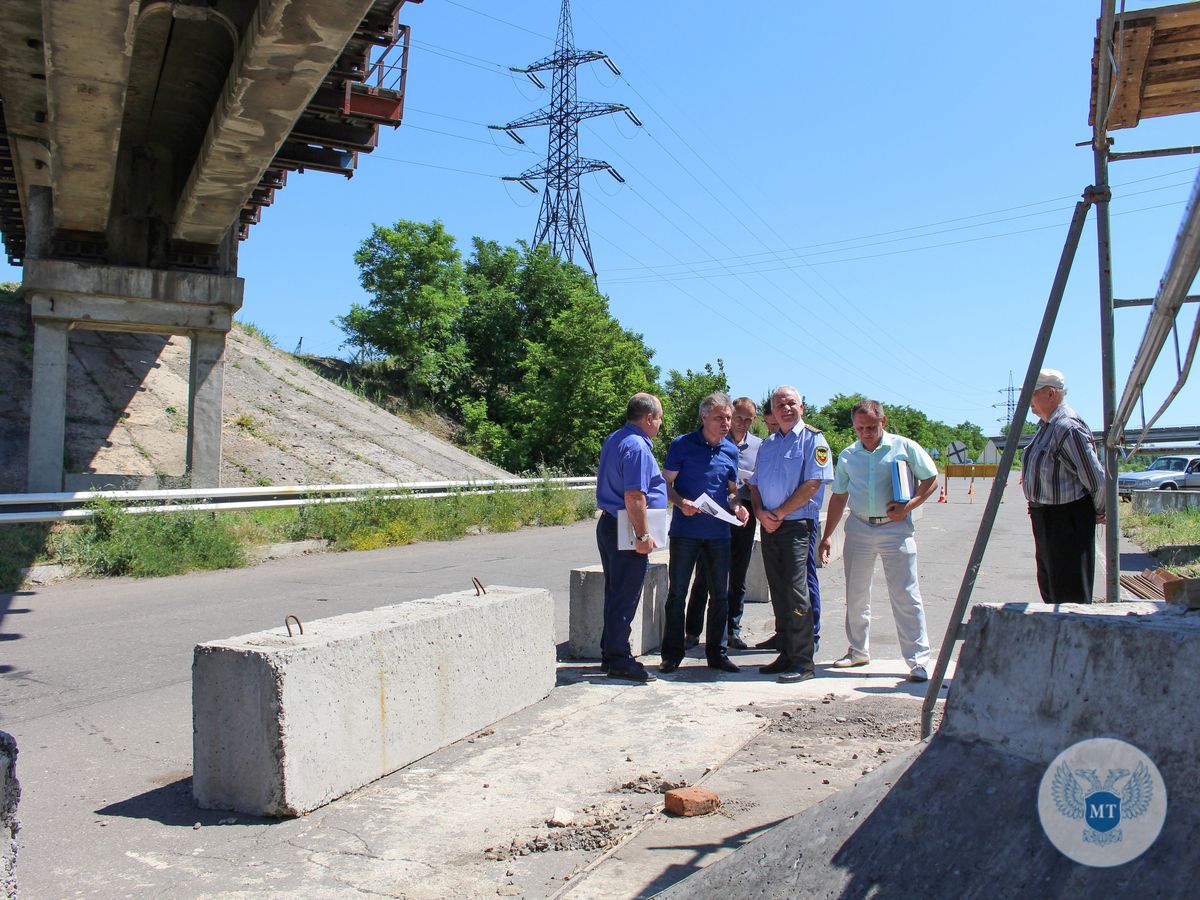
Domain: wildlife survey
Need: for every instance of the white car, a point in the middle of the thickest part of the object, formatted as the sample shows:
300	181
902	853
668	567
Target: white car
1167	473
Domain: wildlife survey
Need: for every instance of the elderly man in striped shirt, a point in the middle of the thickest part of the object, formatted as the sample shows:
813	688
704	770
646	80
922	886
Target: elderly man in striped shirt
1064	484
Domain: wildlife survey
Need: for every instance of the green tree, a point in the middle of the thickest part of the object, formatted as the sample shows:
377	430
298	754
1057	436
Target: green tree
578	381
681	396
413	273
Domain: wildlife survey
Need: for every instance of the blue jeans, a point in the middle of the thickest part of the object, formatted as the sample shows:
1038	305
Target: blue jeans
713	557
624	574
741	546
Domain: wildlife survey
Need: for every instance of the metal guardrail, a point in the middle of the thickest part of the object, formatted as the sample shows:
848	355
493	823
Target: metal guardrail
58	507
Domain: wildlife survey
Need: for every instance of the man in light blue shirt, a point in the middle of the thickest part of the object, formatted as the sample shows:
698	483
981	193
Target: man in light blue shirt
880	526
792	465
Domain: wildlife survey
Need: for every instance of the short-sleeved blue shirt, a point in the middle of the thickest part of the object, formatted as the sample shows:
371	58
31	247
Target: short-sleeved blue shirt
628	464
703	469
785	461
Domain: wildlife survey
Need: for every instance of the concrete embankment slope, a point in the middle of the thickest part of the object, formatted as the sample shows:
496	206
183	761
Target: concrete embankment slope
958	816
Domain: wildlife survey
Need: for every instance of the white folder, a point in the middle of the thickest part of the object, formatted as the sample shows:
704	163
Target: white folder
657	521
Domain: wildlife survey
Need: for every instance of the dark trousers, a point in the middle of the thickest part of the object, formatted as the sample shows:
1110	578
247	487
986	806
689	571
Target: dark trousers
785	558
738	567
713	559
624	574
741	546
1064	540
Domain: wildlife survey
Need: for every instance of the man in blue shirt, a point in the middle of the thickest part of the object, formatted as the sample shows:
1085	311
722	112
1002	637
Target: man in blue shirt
741	542
792	465
703	462
628	478
880	526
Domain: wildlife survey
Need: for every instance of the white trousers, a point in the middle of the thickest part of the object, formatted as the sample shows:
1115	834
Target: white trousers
895	545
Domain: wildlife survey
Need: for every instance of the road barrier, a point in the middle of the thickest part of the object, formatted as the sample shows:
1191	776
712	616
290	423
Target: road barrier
65	506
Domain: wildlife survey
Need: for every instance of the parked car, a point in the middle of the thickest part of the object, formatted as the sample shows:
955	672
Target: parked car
1167	473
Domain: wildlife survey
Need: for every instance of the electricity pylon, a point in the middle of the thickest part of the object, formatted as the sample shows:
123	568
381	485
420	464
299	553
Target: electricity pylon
1010	404
561	222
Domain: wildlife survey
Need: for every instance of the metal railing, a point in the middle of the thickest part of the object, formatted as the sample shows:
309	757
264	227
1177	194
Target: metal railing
57	507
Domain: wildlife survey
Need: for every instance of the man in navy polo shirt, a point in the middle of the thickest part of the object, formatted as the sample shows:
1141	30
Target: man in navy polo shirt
704	461
628	478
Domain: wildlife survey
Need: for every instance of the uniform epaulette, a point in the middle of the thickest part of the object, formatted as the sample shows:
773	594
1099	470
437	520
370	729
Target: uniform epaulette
813	428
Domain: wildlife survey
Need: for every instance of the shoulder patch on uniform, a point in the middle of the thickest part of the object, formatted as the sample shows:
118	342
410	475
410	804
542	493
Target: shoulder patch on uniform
821	455
813	428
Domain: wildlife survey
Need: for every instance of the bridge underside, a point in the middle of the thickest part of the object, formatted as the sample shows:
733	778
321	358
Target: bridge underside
140	140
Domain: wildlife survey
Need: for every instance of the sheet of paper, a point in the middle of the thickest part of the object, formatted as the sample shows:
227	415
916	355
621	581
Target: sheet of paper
657	522
708	505
744	475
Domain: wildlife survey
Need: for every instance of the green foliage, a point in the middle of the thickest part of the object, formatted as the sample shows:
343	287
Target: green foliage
681	397
21	546
149	544
1173	537
254	331
413	272
834	419
9	291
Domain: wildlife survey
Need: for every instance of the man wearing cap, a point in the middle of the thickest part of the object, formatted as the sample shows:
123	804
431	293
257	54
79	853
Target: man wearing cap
629	479
792	464
880	526
1064	484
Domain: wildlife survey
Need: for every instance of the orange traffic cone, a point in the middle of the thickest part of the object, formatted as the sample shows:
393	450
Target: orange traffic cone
942	494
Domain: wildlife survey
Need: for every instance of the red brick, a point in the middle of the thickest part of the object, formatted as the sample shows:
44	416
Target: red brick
692	801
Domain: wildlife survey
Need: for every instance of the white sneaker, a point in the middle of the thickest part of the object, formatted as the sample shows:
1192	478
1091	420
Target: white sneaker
918	674
851	659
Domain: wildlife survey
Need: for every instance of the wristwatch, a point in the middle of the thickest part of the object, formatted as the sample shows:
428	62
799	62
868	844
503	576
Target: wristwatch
642	538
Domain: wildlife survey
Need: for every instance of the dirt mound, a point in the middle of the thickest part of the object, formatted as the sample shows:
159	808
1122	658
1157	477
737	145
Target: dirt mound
283	424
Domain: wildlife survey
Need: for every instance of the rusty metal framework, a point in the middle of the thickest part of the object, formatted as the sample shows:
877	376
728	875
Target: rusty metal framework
1147	63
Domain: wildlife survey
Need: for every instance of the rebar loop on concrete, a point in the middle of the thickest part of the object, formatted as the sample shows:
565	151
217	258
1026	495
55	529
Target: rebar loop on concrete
287	623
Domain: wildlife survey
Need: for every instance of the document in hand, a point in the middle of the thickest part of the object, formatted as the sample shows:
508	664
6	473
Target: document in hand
657	521
707	504
901	481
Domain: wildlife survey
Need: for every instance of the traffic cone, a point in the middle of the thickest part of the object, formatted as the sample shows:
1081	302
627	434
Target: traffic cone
942	494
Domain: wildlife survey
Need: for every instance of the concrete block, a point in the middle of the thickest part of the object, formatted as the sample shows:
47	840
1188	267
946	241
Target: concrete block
1033	679
691	801
587	611
1165	501
10	795
283	725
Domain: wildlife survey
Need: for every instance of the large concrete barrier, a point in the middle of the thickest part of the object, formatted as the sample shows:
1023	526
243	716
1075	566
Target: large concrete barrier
959	815
282	725
10	795
587	610
1165	501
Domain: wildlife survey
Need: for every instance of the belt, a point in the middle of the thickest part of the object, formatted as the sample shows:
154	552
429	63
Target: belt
873	520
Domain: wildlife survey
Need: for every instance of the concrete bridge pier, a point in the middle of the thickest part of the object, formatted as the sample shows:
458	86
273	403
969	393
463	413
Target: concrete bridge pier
64	295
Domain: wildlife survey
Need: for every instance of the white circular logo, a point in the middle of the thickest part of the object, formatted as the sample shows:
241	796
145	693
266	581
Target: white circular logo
1102	802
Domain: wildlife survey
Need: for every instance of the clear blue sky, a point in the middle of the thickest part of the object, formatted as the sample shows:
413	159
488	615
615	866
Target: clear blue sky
868	201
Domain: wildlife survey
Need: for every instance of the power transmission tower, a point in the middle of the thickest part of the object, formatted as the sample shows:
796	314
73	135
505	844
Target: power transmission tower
1009	405
561	222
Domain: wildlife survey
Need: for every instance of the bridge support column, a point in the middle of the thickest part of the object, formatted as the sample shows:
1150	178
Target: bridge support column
48	407
205	379
64	295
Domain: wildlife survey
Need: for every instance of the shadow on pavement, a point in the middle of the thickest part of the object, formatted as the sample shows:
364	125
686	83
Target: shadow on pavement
680	871
172	804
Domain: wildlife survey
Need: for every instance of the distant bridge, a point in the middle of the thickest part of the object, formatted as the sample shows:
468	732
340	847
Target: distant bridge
1178	434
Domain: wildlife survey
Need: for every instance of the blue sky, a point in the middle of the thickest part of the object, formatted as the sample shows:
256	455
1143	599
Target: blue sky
871	202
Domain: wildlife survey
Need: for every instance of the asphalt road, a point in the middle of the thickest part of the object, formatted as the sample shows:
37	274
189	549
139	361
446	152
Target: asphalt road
95	674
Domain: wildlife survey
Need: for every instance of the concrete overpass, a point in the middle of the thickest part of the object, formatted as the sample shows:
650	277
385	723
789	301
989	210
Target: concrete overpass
1176	436
140	141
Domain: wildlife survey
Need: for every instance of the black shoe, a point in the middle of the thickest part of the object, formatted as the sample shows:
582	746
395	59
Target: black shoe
605	666
669	665
771	643
736	643
780	665
724	664
791	676
690	641
639	675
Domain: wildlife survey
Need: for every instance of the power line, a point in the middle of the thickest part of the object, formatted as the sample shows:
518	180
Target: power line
497	19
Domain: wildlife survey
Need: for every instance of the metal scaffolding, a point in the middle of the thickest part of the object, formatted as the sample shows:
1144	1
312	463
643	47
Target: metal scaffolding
1135	59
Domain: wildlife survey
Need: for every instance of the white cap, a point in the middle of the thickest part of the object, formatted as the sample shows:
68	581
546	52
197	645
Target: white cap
1050	378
